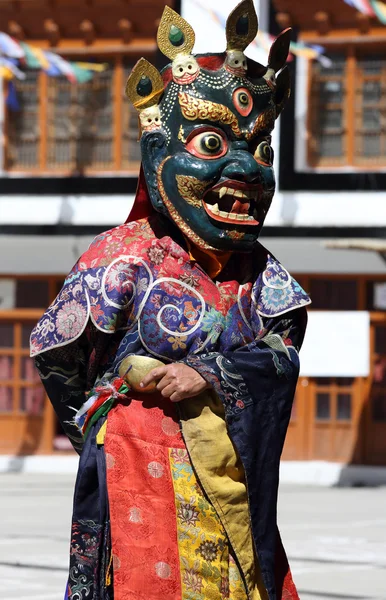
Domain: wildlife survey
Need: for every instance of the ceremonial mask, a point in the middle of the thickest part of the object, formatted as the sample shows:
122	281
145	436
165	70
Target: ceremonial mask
206	123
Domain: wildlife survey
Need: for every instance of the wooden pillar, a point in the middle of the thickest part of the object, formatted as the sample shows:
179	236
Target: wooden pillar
322	22
126	28
43	104
17	344
47	444
52	31
118	87
88	31
283	19
350	104
363	22
16	30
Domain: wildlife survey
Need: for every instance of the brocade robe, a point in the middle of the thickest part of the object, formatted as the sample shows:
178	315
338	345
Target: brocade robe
138	291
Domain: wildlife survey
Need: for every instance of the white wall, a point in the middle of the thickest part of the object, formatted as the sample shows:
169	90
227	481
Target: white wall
344	352
65	210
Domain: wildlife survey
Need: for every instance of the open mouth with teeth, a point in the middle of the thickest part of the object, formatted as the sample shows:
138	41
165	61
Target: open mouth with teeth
233	202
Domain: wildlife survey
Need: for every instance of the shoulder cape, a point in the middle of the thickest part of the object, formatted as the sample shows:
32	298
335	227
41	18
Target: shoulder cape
119	267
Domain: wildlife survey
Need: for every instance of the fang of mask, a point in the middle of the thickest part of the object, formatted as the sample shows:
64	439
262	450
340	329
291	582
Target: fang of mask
185	69
150	118
236	63
270	78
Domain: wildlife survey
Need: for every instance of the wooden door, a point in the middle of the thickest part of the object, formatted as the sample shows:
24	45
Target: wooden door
26	417
296	445
326	420
374	419
336	406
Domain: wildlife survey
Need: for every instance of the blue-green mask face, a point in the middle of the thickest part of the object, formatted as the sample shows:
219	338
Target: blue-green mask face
206	130
209	167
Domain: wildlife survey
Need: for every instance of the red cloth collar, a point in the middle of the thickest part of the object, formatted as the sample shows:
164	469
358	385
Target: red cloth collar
142	206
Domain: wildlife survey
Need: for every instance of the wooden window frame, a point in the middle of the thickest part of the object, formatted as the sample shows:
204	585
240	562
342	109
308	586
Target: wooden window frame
362	280
117	94
22	431
350	111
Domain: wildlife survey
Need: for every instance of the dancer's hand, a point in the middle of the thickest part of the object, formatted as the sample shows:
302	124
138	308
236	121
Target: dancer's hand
176	381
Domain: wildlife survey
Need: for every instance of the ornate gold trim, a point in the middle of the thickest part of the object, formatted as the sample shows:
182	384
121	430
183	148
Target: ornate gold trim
204	110
264	122
186	230
192	189
143	68
181	135
236	41
169	18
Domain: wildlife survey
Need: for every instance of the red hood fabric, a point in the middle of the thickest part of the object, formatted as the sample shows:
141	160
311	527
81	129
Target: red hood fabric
142	206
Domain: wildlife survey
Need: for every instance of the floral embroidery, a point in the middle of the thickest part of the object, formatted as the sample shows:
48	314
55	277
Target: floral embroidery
275	292
156	255
156	300
205	561
180	456
276	299
188	514
213	321
69	320
190	313
110	282
86	537
117	276
192	580
190	279
208	550
46	327
178	342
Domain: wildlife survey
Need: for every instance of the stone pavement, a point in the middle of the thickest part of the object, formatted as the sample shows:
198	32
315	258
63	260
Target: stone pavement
335	538
336	541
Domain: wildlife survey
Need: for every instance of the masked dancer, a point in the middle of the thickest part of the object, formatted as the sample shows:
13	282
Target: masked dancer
171	353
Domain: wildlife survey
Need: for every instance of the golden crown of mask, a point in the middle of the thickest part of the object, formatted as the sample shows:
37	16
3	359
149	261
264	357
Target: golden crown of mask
175	38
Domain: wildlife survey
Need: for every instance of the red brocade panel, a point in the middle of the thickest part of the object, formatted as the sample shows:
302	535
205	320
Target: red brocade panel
141	497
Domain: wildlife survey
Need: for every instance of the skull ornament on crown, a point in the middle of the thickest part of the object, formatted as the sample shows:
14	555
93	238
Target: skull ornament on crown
206	124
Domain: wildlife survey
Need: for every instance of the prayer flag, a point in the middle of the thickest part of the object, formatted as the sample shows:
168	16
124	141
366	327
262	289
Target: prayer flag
35	57
12	100
59	66
9	65
10	47
380	10
5	73
363	6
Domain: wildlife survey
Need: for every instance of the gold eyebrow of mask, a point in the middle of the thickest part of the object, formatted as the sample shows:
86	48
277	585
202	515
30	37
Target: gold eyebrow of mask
264	122
204	110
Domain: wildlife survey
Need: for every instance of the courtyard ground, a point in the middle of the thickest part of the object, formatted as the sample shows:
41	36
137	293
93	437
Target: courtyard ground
335	539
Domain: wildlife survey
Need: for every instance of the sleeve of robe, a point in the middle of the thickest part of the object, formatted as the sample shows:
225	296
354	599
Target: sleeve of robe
256	384
67	373
263	372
